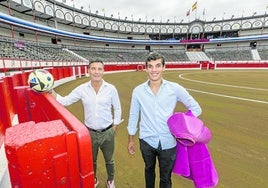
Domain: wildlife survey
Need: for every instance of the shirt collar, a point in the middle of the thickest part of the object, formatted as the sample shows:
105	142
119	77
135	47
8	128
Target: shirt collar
163	82
104	83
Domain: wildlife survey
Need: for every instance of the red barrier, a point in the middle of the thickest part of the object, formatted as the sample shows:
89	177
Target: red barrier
40	107
24	78
5	120
7	104
76	71
55	74
183	66
66	72
60	73
42	155
83	70
241	65
16	80
120	67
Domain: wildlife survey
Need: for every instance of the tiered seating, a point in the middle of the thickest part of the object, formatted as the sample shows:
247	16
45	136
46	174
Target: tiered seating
33	51
230	54
28	50
112	55
263	52
8	50
49	52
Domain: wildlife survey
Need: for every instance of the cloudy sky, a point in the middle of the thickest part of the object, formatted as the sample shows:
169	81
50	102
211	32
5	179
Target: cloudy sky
172	9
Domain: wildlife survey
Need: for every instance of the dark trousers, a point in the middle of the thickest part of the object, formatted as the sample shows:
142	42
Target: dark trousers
105	142
166	159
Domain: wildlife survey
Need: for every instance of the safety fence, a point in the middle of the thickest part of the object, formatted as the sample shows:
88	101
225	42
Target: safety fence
57	159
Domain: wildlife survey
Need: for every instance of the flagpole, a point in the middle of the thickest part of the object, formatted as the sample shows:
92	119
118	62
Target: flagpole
189	18
195	14
194	8
89	8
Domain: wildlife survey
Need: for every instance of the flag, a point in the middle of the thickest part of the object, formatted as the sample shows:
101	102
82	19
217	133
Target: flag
204	12
194	6
188	13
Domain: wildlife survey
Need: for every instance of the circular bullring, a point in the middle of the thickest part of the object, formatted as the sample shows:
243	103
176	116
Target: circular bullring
234	107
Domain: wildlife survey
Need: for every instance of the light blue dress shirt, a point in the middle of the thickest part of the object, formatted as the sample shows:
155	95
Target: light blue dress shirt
97	106
154	111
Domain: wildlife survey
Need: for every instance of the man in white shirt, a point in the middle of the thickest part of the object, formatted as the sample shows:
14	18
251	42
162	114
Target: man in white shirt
98	98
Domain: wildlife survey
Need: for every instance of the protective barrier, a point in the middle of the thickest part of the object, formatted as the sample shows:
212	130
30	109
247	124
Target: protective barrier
42	107
42	155
72	166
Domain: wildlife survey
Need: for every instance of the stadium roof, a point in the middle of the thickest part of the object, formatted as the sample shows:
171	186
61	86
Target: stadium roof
33	26
171	10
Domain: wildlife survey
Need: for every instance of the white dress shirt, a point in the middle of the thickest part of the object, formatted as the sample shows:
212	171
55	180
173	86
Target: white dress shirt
97	106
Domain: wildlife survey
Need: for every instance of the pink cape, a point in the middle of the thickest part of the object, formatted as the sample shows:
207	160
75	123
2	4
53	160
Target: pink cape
193	159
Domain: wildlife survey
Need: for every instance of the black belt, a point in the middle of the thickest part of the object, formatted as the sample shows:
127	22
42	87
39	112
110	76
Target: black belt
102	130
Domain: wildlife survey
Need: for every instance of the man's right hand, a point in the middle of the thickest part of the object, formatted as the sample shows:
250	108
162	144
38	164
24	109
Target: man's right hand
131	147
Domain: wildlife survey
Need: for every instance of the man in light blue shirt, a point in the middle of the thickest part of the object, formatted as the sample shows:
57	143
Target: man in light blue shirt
99	98
154	101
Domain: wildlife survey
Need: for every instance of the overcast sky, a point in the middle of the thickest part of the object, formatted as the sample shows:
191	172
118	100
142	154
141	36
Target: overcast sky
172	9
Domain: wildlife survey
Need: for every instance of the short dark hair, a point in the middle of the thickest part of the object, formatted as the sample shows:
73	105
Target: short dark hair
95	61
154	56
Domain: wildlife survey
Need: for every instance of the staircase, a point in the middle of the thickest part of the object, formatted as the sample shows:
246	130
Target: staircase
197	56
255	55
75	54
